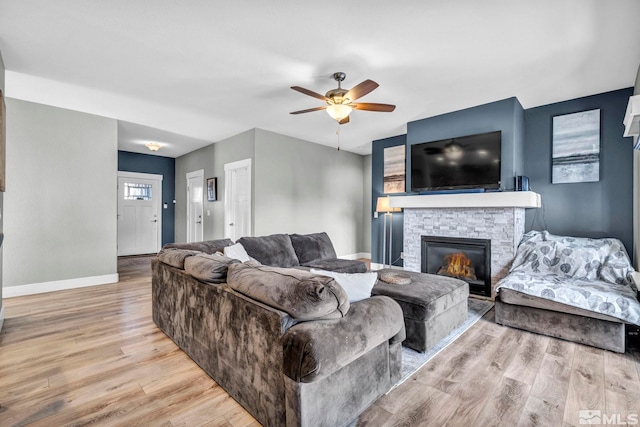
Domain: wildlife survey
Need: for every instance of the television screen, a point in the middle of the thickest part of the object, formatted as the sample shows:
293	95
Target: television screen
466	162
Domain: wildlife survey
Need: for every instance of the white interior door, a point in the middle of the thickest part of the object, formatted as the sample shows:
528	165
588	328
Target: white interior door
139	214
195	196
237	198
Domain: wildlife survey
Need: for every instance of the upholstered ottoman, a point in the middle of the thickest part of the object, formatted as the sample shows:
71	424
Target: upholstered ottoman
432	305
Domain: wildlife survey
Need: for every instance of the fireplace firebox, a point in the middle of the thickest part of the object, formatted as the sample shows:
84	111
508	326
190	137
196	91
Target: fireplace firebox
463	258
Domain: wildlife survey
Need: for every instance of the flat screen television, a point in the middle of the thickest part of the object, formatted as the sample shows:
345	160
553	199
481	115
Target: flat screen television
466	162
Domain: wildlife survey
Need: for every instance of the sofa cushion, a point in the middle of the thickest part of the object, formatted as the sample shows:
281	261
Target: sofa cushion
275	250
357	285
339	265
209	268
176	257
207	246
312	247
299	293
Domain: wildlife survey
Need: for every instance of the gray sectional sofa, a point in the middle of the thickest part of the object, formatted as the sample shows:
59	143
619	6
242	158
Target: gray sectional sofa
283	342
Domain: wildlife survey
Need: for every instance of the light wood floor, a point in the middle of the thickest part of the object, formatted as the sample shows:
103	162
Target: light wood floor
94	356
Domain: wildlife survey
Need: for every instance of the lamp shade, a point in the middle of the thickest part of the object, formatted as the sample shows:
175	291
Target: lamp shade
383	205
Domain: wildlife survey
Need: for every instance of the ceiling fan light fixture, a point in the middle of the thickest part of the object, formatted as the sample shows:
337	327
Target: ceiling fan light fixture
153	146
339	111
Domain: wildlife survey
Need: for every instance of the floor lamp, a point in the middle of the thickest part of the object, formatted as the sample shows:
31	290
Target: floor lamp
382	206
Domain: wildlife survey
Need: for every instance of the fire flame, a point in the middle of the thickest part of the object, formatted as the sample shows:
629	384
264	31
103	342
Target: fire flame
458	265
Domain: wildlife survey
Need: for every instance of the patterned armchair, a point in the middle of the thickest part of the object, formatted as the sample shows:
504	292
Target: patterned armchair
578	289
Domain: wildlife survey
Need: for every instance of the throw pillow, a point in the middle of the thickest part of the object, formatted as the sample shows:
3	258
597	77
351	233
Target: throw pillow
357	285
237	252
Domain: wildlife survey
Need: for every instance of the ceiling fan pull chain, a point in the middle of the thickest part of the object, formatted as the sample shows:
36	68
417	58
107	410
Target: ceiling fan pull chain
338	133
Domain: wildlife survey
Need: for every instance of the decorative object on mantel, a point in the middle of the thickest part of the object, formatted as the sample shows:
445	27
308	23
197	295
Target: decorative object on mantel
632	120
340	101
396	278
576	148
153	146
383	206
212	189
394	169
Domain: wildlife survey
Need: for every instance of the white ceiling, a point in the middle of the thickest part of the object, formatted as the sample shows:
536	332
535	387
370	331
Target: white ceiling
208	69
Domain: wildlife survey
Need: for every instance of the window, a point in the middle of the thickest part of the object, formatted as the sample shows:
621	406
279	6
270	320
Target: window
134	191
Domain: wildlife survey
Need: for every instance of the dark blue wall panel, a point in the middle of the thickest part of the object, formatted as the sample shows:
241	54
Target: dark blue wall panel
506	116
165	166
594	209
590	209
377	173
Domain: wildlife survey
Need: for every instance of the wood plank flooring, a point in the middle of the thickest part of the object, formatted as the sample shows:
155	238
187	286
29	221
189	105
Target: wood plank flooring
93	356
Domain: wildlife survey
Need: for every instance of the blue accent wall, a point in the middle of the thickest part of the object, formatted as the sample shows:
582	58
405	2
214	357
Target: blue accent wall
377	188
590	209
165	166
595	209
506	116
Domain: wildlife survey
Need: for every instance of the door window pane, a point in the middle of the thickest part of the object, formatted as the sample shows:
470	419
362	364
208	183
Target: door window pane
134	191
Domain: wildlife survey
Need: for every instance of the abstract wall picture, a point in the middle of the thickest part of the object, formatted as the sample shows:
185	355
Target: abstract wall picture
576	148
394	169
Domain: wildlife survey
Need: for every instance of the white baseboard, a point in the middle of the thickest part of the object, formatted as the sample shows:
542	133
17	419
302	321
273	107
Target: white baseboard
356	256
58	285
1	317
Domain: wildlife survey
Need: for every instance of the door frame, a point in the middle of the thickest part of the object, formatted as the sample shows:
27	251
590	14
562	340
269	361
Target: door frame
195	174
228	167
150	177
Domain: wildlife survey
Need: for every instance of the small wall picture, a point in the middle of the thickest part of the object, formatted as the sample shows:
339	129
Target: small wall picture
576	148
212	189
394	169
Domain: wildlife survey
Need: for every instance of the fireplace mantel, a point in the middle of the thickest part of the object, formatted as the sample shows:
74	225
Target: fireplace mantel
498	199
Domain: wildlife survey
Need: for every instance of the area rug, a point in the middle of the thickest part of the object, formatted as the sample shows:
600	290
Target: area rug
413	360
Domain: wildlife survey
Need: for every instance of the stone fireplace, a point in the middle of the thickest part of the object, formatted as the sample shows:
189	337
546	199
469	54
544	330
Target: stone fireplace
461	258
495	217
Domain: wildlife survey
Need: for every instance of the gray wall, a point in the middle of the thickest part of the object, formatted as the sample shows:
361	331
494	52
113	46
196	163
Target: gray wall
212	159
590	209
302	187
61	199
1	206
367	212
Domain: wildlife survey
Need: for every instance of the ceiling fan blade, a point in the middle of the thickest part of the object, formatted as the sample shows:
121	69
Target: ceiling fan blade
361	90
344	121
324	107
368	106
310	93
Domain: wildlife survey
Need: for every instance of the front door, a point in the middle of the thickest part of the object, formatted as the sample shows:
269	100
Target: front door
139	219
195	195
237	199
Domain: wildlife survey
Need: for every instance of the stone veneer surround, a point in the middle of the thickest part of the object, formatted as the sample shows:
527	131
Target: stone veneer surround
504	226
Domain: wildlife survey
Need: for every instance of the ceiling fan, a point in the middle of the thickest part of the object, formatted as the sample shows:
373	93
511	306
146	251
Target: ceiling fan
340	101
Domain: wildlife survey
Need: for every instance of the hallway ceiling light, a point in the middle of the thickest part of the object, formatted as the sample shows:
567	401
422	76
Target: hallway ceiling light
153	146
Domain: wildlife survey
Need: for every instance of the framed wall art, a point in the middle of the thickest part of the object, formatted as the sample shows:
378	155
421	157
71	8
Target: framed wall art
394	169
576	147
212	189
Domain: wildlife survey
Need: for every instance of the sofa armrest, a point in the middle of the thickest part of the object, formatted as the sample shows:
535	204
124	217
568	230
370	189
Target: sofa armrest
315	349
635	276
